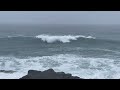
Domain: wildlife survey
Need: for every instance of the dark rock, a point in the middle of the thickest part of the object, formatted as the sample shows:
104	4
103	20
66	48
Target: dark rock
7	71
49	71
48	74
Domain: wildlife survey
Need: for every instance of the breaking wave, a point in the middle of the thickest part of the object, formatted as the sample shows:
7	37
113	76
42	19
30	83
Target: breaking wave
61	38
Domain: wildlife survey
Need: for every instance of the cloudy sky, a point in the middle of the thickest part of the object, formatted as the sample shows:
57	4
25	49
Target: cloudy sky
60	17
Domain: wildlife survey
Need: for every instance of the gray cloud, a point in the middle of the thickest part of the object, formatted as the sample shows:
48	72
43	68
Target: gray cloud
60	17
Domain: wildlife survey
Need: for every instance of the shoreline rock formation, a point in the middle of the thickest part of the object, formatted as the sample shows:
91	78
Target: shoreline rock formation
48	74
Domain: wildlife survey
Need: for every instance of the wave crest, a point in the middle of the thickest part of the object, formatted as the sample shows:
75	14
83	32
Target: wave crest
61	38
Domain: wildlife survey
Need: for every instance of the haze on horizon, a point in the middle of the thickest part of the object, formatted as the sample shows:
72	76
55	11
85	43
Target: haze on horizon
59	17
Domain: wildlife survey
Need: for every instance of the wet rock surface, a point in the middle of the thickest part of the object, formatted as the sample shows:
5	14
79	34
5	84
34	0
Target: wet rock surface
48	74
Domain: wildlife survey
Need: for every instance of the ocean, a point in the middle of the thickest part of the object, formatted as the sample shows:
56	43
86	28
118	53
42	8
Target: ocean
87	51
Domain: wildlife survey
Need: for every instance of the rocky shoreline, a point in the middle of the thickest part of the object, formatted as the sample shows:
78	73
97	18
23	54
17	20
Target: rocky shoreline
48	74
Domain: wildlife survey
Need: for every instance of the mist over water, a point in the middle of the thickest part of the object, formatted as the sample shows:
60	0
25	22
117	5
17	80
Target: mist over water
88	51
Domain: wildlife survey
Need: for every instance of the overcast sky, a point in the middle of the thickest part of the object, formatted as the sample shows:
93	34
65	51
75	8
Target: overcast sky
60	17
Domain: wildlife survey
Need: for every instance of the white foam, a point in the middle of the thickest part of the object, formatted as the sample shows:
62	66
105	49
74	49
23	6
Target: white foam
16	75
64	38
83	67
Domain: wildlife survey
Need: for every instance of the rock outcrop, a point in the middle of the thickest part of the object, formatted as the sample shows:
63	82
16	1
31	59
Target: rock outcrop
48	74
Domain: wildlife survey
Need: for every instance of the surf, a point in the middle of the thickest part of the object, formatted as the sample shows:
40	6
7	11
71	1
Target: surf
84	67
61	38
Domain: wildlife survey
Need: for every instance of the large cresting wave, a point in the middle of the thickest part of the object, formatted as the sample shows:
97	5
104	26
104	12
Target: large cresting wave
61	38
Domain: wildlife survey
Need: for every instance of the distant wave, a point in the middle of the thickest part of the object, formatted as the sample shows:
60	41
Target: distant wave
61	38
15	36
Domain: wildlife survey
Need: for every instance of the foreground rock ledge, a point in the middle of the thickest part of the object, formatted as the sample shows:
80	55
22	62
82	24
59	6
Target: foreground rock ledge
48	74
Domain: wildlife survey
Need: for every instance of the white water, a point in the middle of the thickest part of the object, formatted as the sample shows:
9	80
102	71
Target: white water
83	67
64	38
